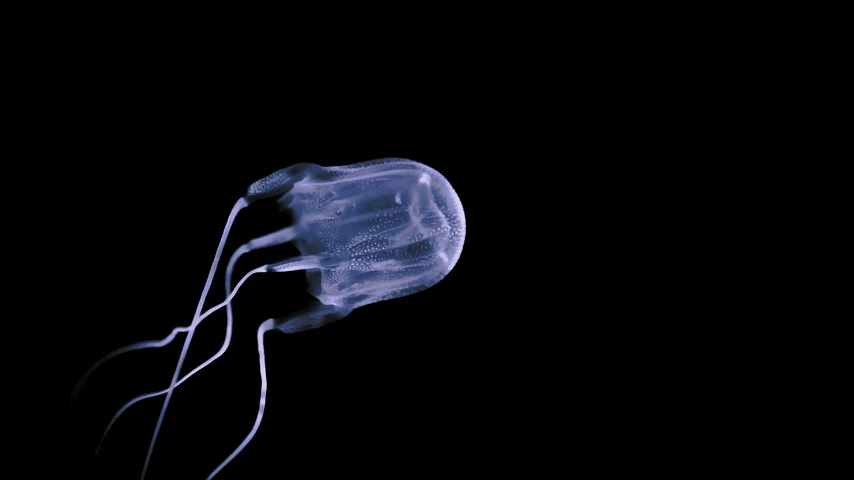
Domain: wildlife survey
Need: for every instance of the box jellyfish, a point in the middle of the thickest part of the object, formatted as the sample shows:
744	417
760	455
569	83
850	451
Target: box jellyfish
366	232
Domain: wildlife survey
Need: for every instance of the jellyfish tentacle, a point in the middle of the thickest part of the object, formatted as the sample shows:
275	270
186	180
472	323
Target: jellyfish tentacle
312	317
278	237
182	380
238	206
271	239
266	326
127	348
184	353
261	269
124	408
205	315
275	238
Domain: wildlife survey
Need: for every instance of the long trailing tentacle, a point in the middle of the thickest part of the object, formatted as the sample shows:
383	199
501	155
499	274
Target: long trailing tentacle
127	348
241	204
312	317
272	239
203	365
265	327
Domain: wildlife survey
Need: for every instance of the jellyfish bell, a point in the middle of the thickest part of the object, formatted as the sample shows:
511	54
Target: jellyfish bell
378	230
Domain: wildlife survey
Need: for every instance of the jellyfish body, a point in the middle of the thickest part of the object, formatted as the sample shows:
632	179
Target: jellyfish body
366	232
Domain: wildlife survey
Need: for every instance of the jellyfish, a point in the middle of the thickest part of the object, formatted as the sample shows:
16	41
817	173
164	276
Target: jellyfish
366	232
